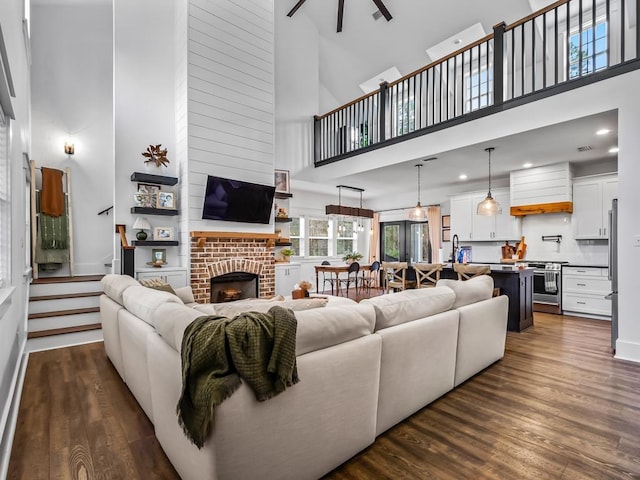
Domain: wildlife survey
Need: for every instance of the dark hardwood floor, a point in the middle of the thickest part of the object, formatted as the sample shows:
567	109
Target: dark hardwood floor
557	406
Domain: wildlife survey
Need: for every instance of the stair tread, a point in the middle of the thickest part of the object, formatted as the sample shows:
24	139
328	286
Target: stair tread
60	313
63	296
75	278
59	331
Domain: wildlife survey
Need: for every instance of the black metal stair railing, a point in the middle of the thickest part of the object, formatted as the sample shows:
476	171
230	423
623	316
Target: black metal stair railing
562	43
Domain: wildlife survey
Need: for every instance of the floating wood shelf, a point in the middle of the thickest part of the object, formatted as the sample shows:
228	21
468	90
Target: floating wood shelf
203	236
154	211
283	219
156	243
283	244
557	207
154	179
283	195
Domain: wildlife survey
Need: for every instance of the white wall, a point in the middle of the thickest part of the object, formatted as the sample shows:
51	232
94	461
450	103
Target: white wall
297	90
13	322
144	106
72	99
230	101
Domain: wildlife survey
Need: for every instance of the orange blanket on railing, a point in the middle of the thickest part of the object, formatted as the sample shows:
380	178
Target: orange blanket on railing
52	195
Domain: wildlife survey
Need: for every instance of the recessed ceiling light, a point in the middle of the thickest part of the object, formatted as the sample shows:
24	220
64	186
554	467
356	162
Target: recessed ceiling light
457	41
613	150
462	177
603	131
527	165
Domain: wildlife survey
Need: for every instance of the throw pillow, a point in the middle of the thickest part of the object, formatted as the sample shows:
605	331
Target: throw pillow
231	309
158	284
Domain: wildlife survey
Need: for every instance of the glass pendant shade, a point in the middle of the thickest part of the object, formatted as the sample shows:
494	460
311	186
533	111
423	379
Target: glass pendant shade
417	213
489	206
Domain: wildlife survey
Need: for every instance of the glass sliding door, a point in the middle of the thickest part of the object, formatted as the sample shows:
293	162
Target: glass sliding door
405	241
420	248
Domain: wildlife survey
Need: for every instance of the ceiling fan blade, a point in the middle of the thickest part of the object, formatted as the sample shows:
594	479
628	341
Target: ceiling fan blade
295	8
383	9
340	14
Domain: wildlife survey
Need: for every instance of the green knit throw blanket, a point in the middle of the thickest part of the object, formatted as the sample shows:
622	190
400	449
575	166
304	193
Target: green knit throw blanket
217	352
53	231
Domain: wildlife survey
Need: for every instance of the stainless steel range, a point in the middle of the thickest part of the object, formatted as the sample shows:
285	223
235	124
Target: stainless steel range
547	286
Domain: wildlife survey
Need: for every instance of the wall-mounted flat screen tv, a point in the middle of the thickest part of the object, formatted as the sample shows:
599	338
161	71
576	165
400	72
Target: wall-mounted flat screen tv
237	201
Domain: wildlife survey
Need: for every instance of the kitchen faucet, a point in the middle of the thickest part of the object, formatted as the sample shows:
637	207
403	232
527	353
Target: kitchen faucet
455	243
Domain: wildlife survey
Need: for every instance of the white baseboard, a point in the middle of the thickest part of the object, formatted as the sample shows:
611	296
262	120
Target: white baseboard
12	415
627	351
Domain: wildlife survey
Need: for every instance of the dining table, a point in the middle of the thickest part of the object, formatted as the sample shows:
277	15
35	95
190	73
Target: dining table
335	270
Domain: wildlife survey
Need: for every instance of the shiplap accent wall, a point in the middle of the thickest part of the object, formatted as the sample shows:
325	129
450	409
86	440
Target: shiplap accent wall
182	128
230	100
547	184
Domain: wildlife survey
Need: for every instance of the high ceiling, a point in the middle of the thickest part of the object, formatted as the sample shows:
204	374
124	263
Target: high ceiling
376	45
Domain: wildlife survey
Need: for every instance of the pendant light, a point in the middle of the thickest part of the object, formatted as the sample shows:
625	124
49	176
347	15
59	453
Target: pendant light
489	206
417	214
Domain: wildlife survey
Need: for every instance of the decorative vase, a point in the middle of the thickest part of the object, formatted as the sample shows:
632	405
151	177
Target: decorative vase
141	235
298	293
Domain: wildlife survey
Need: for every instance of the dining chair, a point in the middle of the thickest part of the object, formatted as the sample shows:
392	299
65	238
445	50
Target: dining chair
427	274
328	278
465	272
395	276
370	277
352	277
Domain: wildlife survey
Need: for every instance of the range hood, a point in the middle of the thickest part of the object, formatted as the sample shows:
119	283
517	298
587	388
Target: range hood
541	190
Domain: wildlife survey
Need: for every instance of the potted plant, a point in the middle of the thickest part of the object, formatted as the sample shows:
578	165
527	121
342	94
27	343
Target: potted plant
286	254
352	257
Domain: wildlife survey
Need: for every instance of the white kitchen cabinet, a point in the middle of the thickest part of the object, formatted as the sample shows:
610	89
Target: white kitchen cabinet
584	291
287	275
461	219
469	226
591	204
174	276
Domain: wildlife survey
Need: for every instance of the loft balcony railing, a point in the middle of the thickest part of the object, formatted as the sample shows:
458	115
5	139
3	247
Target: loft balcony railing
566	45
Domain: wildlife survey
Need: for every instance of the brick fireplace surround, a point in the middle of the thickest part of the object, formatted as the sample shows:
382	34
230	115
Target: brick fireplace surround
217	253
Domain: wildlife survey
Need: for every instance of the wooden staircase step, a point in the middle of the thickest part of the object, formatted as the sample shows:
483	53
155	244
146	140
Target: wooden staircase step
75	278
63	296
61	313
60	331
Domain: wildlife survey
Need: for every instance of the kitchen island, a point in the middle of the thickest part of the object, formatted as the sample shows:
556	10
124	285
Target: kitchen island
515	283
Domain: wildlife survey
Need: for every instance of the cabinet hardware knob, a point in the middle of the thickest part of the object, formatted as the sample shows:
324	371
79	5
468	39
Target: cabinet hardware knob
581	284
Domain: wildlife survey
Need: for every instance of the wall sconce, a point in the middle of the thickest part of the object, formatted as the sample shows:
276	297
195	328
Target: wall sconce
69	148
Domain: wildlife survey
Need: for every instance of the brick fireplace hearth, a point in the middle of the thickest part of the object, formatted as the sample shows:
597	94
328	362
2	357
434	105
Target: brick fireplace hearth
217	253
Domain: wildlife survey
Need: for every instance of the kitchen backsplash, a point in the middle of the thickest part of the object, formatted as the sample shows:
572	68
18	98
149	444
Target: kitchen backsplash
593	252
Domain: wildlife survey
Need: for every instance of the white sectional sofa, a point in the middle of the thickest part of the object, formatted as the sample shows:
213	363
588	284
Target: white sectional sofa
363	368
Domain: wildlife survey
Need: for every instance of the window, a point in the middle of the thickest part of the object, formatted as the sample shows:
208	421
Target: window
478	90
406	115
5	204
318	236
295	235
345	237
588	50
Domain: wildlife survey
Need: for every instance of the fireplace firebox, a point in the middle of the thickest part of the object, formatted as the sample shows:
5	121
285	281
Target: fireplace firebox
234	286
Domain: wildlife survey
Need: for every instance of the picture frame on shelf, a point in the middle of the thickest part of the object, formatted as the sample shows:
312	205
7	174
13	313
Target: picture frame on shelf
282	181
150	189
163	233
143	199
166	200
159	256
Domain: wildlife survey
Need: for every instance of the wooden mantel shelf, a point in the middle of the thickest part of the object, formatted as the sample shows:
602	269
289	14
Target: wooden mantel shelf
557	207
202	236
